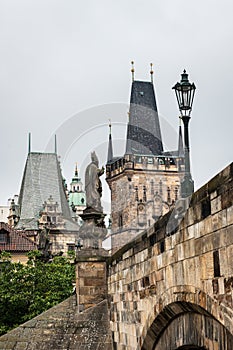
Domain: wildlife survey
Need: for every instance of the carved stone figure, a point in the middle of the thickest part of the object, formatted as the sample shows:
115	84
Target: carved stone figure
44	243
93	186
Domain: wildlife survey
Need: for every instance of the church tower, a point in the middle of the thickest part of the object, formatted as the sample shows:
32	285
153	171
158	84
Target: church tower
77	197
145	181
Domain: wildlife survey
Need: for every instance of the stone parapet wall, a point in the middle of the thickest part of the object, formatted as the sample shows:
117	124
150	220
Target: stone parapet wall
191	263
63	328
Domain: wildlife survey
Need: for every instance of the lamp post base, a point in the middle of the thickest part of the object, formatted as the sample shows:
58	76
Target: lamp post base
187	186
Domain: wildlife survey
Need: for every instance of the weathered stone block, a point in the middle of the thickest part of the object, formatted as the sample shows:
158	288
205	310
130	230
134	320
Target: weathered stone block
207	266
216	205
230	215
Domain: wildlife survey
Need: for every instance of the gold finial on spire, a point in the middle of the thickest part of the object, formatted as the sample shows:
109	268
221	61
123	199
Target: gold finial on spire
132	70
110	126
151	72
76	169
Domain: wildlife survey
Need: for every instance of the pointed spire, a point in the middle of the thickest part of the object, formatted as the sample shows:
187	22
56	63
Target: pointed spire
55	144
76	169
29	143
110	148
151	72
180	144
143	131
132	70
75	177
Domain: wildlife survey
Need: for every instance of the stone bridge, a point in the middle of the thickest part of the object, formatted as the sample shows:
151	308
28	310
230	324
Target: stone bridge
172	287
169	289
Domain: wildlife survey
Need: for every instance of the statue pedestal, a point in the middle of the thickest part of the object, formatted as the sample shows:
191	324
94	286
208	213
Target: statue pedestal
91	283
91	278
93	230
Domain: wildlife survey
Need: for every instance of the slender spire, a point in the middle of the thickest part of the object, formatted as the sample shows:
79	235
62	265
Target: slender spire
29	143
55	144
180	144
110	148
75	177
151	72
132	70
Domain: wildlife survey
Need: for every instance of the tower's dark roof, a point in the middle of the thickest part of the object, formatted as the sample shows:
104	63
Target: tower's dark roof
143	134
42	178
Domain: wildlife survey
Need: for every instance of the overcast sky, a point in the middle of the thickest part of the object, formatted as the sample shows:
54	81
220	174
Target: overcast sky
65	68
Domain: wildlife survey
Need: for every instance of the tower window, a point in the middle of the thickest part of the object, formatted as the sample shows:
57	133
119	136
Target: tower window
168	195
82	200
150	160
144	193
136	193
161	161
138	159
176	193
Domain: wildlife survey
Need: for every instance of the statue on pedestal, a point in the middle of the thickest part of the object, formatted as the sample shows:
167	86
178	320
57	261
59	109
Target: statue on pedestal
93	186
93	230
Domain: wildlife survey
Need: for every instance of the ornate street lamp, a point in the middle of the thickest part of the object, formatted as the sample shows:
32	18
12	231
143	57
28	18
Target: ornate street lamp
185	93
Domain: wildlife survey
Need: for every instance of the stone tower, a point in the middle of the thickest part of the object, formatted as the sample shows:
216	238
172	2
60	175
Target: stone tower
145	181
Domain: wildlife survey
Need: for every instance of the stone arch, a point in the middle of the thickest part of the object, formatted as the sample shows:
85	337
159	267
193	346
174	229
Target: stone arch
197	299
184	325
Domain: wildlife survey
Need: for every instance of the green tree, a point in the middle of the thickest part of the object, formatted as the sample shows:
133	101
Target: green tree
28	290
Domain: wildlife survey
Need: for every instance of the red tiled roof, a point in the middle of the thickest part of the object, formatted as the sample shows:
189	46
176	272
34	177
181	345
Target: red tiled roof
16	242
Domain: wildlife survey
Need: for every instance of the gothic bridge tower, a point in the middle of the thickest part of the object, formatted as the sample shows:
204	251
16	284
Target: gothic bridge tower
145	181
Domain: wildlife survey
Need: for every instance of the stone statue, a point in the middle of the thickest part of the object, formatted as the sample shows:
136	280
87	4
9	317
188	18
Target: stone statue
44	243
93	186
